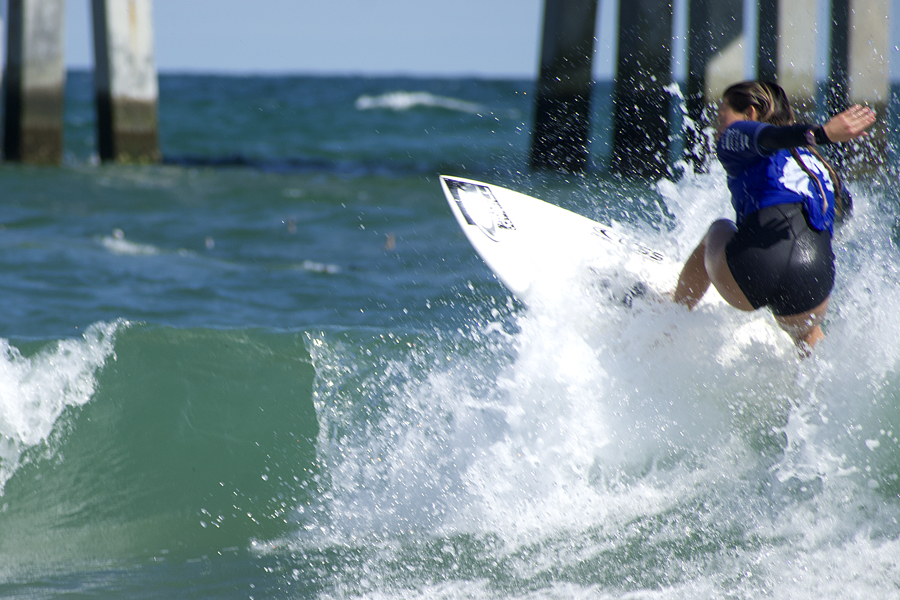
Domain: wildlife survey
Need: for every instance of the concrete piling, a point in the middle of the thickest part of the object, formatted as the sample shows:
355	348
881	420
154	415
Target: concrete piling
767	23
126	84
893	115
563	104
868	51
641	114
34	82
837	92
713	27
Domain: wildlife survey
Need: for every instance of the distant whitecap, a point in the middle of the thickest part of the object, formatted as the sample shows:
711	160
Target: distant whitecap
118	244
407	100
318	267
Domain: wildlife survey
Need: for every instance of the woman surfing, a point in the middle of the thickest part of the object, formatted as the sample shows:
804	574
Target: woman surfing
778	252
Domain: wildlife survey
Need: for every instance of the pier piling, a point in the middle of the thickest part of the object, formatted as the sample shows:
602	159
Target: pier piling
126	83
893	119
837	94
563	104
34	82
641	117
767	23
713	27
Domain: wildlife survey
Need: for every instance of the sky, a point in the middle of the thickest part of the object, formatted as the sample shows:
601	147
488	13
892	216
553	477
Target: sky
484	38
490	38
455	37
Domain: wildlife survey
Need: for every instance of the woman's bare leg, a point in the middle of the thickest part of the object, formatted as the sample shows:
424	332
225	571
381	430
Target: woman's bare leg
694	280
707	264
805	328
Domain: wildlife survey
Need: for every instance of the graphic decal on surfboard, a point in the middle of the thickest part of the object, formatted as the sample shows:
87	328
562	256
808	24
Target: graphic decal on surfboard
525	240
650	253
479	207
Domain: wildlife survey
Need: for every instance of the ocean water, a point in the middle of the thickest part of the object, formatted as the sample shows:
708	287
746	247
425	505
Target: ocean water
272	367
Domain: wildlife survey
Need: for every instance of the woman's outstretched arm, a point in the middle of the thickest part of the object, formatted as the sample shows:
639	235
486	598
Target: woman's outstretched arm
843	127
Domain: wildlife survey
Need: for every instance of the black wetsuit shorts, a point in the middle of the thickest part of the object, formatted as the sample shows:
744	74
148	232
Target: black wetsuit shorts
780	261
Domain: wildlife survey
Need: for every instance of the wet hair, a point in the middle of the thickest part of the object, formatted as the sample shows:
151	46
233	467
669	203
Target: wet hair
769	100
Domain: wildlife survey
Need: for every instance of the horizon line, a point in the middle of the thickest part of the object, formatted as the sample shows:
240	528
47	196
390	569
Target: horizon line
341	74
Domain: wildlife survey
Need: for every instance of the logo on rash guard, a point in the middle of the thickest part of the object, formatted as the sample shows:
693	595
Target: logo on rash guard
735	140
796	180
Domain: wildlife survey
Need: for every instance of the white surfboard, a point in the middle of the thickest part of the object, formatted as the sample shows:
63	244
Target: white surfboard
525	241
533	246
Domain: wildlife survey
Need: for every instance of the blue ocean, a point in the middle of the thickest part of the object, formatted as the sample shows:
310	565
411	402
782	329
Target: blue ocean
272	367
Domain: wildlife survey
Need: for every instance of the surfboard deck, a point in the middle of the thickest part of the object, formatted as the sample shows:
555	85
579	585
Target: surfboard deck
526	241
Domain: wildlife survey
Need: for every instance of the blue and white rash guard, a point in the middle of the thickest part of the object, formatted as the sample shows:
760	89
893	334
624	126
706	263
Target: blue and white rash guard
759	177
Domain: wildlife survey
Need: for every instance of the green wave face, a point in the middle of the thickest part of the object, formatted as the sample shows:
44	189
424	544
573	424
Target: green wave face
194	441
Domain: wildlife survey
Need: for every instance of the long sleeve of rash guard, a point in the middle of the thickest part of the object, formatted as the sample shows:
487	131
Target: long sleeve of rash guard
791	136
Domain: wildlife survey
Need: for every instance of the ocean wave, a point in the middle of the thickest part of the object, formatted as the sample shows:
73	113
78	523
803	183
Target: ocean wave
401	101
35	390
195	440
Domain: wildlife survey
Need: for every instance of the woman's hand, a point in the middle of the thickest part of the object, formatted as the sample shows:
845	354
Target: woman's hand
850	124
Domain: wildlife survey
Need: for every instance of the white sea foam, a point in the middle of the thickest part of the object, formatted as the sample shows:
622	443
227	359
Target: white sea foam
592	431
35	390
401	101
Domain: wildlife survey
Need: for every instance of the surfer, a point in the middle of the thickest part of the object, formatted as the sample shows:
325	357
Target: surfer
778	251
